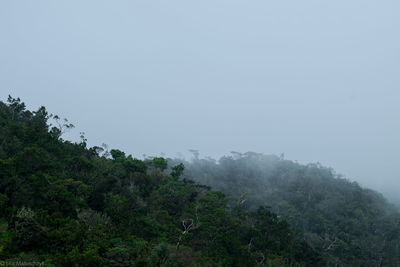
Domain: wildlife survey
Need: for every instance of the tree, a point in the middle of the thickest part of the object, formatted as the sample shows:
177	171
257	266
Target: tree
177	170
160	163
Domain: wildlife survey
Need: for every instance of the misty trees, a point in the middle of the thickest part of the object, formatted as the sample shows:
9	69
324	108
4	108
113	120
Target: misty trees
345	222
68	205
177	170
71	205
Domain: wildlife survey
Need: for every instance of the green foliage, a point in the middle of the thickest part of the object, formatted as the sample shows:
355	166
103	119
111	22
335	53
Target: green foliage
177	170
160	163
67	205
29	232
348	225
160	256
3	203
117	154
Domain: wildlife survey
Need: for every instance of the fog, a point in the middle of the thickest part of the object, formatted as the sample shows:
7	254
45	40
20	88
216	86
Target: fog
315	80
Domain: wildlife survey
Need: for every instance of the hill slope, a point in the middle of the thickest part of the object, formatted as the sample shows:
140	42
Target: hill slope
349	225
65	204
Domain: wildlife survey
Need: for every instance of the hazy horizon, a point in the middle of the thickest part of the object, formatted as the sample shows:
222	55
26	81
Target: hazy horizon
317	81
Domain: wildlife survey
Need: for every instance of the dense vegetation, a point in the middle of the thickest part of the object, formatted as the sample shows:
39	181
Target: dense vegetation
65	204
349	225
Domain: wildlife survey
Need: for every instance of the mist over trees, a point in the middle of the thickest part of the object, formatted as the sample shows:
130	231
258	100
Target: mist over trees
65	204
348	224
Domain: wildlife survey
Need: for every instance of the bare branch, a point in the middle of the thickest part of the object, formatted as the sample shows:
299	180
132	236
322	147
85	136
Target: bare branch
331	244
249	245
188	225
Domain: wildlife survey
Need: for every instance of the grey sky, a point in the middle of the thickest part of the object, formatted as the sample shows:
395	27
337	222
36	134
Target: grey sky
317	80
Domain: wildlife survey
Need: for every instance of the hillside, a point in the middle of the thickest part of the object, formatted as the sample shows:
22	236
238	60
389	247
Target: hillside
64	204
349	225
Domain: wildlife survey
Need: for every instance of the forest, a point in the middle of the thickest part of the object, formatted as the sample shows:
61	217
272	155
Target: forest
63	203
347	224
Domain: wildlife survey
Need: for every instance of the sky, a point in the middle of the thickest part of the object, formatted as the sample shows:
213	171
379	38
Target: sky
316	80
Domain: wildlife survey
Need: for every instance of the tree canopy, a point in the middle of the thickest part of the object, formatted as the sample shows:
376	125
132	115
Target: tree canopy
65	204
347	224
